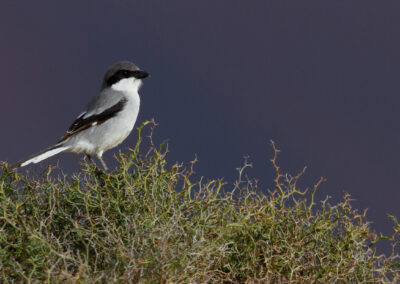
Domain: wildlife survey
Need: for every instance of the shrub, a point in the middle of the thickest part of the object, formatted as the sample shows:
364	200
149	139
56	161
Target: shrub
147	221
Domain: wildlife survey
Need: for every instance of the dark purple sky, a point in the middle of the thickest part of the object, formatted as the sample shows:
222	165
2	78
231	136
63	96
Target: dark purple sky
321	78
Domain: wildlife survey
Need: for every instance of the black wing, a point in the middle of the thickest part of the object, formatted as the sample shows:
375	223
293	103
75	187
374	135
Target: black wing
82	123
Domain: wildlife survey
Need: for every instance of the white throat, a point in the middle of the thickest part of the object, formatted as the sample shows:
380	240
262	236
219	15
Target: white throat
128	85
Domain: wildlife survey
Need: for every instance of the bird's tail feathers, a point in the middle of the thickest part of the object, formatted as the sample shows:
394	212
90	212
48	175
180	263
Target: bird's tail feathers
49	152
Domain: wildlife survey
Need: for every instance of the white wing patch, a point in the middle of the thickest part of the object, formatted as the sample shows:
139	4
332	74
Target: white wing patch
82	114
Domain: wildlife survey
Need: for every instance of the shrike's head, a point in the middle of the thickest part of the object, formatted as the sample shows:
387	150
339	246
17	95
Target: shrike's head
124	76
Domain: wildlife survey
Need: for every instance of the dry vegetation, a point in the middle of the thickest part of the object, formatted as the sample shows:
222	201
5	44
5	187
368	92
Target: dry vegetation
148	222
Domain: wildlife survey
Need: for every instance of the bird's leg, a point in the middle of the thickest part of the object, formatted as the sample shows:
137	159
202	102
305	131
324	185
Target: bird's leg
98	171
91	160
102	162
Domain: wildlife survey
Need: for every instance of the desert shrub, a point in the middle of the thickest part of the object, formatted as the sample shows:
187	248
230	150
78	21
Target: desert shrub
147	221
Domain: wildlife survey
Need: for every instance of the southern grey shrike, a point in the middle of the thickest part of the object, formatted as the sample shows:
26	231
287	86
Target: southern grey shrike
107	119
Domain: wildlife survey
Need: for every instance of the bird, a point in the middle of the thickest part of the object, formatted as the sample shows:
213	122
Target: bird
107	119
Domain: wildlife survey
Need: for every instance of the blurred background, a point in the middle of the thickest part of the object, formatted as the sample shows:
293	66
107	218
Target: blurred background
320	78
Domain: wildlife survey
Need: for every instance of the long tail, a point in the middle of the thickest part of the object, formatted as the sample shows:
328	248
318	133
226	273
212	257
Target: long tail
49	152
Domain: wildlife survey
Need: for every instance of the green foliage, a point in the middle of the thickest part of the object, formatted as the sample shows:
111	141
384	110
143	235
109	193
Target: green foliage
147	222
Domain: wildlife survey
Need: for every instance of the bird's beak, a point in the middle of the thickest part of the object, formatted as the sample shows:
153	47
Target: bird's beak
140	74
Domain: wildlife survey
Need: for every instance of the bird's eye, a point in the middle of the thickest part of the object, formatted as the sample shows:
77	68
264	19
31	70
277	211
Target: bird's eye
125	73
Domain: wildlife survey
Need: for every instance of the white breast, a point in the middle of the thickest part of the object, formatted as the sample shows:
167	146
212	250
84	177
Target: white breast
124	122
129	87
